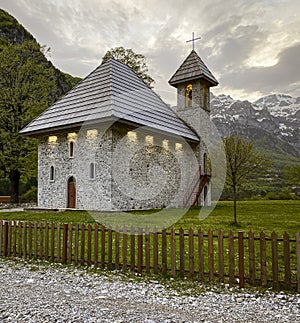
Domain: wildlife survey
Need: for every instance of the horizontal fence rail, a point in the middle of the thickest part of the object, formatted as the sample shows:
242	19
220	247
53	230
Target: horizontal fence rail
243	259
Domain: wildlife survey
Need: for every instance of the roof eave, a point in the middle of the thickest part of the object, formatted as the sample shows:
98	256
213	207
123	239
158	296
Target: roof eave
180	81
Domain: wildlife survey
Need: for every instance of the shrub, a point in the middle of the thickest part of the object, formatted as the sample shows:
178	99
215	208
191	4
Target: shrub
30	196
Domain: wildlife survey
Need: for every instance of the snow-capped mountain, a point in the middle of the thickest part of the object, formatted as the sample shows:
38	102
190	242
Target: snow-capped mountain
273	121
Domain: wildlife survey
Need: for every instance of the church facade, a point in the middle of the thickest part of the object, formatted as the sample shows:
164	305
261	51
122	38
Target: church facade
111	143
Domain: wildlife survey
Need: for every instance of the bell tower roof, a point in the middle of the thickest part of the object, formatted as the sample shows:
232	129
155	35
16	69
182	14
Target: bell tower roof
191	69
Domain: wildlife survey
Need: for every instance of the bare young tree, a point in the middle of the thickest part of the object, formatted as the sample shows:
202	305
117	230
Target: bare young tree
242	161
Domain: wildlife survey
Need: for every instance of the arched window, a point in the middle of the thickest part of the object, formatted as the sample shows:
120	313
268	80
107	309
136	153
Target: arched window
71	149
188	95
92	171
52	173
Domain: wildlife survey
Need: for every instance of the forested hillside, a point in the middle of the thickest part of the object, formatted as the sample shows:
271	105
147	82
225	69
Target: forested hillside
29	83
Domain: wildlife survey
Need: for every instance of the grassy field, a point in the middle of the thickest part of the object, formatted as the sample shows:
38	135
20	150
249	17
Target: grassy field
263	215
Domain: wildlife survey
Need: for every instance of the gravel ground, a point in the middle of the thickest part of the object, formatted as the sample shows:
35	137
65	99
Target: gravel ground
39	292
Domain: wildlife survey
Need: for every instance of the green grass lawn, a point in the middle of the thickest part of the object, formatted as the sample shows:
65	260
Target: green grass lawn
263	215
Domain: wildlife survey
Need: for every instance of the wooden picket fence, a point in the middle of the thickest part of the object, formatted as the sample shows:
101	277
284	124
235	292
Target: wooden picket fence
243	259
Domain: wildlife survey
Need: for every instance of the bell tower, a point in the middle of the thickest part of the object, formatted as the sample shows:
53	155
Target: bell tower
193	81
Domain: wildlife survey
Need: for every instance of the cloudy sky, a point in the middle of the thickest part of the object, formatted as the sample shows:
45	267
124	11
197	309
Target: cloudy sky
252	47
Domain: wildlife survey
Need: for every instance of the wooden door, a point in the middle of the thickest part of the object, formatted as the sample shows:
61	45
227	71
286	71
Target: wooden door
71	193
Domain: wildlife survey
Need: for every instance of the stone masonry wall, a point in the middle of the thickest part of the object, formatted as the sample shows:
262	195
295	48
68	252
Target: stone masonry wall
150	171
90	193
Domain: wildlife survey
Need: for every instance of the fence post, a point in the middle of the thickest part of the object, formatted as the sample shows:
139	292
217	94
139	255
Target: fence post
210	255
109	245
41	241
5	242
191	253
19	237
9	238
132	248
14	233
231	257
52	240
96	228
287	260
147	250
164	251
155	250
1	235
25	241
263	259
251	258
46	240
173	252
70	238
35	240
124	249
30	240
117	247
200	255
65	243
82	247
89	245
76	247
298	260
140	250
241	259
221	256
181	251
102	246
275	260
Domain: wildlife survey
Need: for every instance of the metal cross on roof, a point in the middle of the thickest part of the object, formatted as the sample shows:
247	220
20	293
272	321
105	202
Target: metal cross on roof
193	40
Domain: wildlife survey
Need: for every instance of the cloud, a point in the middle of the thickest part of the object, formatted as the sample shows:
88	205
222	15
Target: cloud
251	47
283	75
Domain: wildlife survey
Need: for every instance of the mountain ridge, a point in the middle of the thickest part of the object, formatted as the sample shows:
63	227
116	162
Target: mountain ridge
277	116
13	33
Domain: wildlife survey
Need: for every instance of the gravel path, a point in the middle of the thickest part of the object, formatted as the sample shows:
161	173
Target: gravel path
32	292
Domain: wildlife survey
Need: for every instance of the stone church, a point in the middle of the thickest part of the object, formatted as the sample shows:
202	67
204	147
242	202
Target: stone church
111	143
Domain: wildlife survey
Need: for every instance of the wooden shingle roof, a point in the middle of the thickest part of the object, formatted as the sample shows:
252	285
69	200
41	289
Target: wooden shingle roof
192	68
111	92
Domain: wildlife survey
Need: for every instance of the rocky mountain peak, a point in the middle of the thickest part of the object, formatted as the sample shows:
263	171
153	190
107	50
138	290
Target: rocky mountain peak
276	117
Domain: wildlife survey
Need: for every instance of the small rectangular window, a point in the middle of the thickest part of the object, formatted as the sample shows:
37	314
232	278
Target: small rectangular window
92	171
71	149
52	173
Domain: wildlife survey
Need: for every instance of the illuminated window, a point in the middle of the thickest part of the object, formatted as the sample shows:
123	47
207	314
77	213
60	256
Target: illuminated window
178	146
52	173
131	135
149	140
71	149
52	139
165	144
92	171
92	133
188	95
72	136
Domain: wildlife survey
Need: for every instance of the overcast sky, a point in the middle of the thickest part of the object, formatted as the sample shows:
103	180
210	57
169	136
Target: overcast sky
251	47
